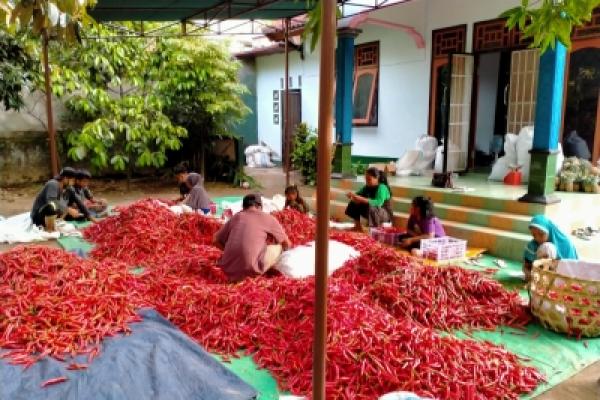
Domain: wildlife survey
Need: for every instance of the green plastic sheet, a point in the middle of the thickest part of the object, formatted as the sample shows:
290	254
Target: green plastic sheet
558	357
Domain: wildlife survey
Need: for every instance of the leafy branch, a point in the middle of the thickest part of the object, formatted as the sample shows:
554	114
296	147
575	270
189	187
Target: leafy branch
551	22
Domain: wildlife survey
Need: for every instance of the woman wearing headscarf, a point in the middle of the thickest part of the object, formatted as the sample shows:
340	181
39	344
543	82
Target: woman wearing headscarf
548	242
197	198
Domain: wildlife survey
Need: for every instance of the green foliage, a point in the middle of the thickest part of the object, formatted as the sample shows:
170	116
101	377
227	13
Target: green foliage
312	27
551	21
197	81
108	92
63	17
17	68
241	177
359	168
304	156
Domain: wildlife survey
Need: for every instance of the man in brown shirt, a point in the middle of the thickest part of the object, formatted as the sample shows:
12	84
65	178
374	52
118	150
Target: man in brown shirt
243	240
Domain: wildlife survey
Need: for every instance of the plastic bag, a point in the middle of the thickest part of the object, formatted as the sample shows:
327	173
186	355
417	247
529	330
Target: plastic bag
299	262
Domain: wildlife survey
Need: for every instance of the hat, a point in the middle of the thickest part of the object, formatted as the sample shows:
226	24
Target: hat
68	172
83	174
251	200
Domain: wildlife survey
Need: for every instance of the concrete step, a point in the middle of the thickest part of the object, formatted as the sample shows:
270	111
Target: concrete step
501	243
469	215
445	196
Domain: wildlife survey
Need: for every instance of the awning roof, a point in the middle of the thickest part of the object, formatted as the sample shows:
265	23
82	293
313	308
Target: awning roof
182	10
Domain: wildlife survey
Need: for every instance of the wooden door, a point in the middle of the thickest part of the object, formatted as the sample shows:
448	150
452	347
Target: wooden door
458	127
582	94
295	118
522	92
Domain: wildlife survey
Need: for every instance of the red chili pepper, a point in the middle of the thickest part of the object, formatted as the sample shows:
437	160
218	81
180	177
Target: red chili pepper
54	381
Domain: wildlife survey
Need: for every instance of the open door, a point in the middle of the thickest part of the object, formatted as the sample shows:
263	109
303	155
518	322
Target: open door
295	119
458	112
522	93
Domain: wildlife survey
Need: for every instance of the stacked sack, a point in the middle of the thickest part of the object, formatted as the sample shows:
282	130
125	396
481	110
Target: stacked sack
517	156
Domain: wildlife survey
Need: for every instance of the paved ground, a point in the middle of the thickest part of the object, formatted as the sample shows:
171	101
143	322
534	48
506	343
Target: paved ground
583	386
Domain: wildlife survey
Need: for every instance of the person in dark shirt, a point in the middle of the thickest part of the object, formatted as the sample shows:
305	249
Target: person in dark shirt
51	201
372	202
76	200
96	206
182	172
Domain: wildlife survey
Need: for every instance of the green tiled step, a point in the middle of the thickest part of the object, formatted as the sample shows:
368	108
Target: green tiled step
444	196
500	243
475	216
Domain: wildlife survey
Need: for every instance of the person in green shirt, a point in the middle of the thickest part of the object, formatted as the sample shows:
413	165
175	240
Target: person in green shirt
372	202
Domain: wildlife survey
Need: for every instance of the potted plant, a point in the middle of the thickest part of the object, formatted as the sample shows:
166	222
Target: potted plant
588	183
567	181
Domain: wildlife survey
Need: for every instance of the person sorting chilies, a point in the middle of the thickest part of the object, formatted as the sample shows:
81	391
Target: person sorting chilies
51	202
246	241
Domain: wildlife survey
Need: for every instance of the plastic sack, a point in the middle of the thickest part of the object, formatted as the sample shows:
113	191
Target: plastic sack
524	145
402	396
510	148
299	262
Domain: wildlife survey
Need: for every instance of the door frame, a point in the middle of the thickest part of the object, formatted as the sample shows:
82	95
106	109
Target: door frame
472	121
282	118
580	44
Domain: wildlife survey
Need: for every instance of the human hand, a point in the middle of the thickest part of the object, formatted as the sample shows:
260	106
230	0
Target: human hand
407	242
73	212
94	219
350	195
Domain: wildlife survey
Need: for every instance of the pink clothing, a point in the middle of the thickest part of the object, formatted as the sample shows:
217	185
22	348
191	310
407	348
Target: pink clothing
245	239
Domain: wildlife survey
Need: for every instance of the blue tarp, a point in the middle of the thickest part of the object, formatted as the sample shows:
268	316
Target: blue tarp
157	361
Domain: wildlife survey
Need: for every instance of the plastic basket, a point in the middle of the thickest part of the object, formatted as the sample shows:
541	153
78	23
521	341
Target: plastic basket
386	236
444	248
564	302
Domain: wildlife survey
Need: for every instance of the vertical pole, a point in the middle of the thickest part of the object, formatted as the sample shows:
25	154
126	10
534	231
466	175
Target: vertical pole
286	103
49	116
548	114
325	128
446	96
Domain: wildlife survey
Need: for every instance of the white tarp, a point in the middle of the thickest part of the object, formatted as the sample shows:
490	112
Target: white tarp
258	156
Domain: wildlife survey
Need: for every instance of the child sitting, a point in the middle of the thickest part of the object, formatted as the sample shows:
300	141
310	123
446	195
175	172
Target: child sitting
422	224
294	201
97	207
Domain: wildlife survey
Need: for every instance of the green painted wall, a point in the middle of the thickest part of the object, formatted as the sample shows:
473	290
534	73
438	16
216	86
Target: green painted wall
247	130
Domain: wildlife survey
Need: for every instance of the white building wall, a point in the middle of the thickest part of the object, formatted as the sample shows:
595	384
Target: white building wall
404	74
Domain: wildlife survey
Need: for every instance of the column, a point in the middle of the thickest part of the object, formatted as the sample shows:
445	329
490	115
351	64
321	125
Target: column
548	115
342	164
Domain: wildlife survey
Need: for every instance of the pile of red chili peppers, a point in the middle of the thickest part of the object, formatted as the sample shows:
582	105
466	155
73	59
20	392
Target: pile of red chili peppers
55	304
382	308
146	233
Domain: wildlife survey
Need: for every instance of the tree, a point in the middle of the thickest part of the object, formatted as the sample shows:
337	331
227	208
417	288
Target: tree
197	80
112	101
552	21
63	17
17	68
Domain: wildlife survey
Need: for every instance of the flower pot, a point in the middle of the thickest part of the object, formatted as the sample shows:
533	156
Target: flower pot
576	187
588	188
557	183
596	188
569	186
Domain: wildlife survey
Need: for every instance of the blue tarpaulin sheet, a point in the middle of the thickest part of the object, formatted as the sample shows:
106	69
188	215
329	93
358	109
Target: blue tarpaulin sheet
157	361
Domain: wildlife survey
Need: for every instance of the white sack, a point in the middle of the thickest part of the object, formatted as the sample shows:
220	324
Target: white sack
524	145
277	203
299	262
500	169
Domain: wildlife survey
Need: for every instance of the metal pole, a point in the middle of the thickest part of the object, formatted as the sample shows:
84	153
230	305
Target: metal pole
286	102
325	127
49	116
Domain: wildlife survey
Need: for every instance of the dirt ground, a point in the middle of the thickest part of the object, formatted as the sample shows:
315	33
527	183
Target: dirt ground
15	200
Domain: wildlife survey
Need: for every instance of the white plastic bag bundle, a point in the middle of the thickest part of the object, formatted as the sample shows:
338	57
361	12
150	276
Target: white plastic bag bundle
20	229
299	262
524	145
503	165
258	156
277	203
